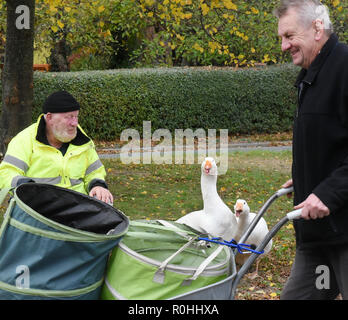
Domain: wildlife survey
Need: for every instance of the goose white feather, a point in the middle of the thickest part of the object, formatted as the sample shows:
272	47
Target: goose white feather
245	217
215	218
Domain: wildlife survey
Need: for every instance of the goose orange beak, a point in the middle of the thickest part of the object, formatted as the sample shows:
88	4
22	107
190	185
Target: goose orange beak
207	166
238	212
238	209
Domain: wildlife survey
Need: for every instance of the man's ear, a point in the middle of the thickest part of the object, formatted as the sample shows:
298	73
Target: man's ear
318	28
48	116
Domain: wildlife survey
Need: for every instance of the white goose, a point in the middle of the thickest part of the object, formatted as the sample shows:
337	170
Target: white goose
245	217
215	218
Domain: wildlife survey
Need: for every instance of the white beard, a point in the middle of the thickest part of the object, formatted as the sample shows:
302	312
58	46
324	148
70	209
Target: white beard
63	136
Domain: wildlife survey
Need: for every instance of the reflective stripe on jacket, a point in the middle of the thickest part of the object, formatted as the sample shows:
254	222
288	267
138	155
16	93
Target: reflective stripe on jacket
28	157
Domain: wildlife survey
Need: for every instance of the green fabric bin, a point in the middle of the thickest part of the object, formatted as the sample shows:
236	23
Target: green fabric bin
155	262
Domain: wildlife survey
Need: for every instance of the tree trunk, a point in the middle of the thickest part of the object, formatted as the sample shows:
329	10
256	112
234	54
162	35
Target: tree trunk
17	74
59	57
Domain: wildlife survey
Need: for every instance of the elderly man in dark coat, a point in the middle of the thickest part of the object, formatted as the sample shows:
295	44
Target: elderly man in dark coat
320	151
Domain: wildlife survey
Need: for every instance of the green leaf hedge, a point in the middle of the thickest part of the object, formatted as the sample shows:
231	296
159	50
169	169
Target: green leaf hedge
245	101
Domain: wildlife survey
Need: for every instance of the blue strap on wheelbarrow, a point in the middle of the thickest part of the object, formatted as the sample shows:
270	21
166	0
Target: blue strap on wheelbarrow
241	247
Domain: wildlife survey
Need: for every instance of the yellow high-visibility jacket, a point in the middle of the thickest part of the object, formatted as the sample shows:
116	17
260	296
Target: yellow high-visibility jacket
28	156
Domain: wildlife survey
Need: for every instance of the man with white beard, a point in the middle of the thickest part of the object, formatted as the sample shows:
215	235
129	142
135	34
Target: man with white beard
55	150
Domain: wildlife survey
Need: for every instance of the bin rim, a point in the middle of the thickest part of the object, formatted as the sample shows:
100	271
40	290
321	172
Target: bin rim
61	227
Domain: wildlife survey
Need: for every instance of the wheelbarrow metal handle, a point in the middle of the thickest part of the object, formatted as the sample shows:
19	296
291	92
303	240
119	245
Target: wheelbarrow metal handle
284	191
296	214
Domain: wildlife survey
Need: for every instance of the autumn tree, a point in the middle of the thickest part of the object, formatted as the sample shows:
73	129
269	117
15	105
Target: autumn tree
84	28
234	33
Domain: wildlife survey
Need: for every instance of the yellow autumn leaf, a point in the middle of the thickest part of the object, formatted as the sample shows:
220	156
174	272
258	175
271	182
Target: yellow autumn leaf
205	9
54	28
253	50
229	5
180	37
144	192
254	10
266	58
335	3
149	2
53	9
60	24
197	47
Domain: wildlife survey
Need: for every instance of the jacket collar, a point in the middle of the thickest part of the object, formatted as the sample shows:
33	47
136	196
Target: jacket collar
80	139
310	75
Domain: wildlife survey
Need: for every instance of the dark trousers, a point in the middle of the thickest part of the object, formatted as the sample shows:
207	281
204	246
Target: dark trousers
318	274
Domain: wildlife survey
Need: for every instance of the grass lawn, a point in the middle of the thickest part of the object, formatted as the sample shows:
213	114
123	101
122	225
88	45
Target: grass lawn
165	191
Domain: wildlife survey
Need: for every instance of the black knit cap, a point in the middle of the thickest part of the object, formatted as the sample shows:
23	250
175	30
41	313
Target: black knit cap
60	101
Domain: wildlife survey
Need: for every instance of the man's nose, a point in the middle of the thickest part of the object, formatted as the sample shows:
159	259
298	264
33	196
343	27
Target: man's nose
285	45
74	122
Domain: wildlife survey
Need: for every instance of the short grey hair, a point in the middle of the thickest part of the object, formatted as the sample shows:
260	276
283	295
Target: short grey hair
308	11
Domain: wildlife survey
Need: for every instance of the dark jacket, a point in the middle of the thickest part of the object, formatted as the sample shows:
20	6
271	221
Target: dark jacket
320	144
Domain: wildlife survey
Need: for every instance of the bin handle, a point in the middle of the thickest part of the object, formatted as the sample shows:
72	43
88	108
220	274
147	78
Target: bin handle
284	191
159	275
296	214
202	266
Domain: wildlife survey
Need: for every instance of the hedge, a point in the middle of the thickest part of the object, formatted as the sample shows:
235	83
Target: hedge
245	101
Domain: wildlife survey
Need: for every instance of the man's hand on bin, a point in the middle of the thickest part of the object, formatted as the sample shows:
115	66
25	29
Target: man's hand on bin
102	194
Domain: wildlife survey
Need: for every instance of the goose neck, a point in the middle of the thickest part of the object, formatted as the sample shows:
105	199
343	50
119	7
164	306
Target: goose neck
208	185
243	219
